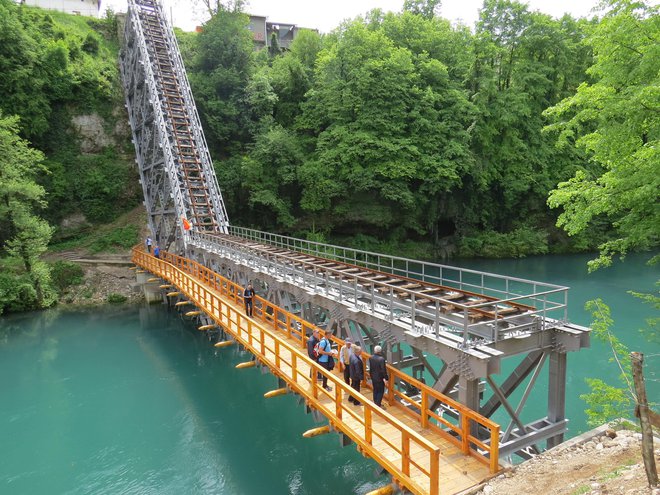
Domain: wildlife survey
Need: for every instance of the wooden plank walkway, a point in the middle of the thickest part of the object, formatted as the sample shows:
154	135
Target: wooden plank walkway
415	447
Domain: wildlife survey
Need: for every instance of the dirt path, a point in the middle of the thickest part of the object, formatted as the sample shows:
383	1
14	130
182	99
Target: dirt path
599	466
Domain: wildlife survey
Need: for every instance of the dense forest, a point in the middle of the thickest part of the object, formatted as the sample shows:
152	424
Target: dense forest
58	75
400	132
396	132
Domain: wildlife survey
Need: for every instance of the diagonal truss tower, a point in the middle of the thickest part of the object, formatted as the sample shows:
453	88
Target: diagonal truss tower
181	192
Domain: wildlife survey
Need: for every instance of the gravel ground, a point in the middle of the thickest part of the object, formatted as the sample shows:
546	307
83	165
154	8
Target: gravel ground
610	463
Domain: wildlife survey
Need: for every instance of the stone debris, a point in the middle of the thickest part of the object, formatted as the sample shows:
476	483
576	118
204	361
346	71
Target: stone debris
608	463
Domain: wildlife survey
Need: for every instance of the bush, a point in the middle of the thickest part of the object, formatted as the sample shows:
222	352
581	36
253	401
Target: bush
518	243
114	298
121	237
65	274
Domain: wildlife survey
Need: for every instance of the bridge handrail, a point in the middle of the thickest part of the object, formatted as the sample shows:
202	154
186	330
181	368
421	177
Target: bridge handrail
437	316
322	250
202	147
299	328
185	273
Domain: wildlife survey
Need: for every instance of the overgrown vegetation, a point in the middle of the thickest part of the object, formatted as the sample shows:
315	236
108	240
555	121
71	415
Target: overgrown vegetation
54	67
114	298
65	274
397	126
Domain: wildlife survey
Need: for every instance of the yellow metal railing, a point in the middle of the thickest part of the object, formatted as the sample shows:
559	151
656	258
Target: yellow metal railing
203	286
207	290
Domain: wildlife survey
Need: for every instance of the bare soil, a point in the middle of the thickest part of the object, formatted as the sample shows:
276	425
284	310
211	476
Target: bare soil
600	466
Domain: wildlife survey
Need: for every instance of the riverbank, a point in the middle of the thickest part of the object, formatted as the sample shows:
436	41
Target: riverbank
600	462
107	278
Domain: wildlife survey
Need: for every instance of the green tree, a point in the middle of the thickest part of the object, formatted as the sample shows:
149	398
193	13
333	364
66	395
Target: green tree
223	68
26	236
391	134
274	49
616	120
524	62
424	8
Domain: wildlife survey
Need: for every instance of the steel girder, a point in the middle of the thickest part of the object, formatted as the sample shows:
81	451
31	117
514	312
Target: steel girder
463	371
164	121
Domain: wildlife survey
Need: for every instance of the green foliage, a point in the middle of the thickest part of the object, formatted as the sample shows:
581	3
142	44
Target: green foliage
64	274
397	126
616	120
103	181
17	292
114	298
521	242
121	237
24	236
608	402
223	65
49	60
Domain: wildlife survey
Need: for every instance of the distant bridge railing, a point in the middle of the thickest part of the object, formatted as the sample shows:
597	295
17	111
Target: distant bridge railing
545	302
501	286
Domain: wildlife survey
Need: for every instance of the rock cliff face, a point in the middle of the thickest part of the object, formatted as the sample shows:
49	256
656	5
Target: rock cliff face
94	136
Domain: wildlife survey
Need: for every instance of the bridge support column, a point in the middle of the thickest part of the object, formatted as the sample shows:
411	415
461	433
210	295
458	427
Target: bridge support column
468	392
556	393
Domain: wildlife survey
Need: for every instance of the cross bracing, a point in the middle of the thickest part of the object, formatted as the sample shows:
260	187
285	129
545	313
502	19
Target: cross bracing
422	313
470	320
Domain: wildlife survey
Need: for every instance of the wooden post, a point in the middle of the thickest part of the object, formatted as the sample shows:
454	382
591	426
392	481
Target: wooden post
637	359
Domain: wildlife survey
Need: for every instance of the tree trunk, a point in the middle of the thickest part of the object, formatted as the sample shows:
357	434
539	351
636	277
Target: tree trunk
637	360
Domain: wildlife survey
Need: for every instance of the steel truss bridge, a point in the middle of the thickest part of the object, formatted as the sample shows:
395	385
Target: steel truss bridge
452	330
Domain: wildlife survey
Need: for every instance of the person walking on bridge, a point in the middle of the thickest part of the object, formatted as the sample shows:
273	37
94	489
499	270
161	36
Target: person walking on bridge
157	251
345	354
325	356
357	372
149	243
311	344
248	294
379	376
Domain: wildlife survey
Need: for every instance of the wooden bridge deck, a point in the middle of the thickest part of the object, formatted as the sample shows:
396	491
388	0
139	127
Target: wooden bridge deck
423	451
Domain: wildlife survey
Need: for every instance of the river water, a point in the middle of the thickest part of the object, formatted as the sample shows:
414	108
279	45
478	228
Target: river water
132	400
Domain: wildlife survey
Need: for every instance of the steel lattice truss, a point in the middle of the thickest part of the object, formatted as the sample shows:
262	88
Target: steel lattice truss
469	320
177	175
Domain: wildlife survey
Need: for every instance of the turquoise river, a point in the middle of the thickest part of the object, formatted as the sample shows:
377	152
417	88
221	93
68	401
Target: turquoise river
134	400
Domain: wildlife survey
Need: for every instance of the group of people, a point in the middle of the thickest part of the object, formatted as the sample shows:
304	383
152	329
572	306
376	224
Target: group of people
351	364
156	248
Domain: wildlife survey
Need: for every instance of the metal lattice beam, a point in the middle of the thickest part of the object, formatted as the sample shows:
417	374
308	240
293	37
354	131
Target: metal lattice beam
176	172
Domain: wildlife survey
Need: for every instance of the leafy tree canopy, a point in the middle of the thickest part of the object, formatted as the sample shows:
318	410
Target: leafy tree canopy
615	118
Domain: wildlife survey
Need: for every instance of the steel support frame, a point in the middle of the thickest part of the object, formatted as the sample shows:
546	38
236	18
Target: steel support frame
166	197
461	367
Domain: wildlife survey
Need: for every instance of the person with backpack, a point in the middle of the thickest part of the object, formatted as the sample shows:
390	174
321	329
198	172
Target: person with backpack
312	341
324	351
357	372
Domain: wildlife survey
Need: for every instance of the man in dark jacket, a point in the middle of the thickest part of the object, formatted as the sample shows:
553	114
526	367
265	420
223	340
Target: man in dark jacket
378	372
248	295
357	372
311	342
